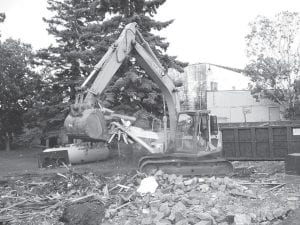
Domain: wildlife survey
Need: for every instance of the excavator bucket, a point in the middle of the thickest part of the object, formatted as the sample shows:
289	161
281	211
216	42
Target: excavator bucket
88	125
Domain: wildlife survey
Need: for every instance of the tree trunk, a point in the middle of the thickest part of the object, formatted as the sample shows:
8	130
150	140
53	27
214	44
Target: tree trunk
7	141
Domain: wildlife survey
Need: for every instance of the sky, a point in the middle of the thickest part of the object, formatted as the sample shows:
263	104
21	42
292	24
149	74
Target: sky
210	31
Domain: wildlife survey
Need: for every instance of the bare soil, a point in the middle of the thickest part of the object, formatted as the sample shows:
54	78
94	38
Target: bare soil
293	218
83	214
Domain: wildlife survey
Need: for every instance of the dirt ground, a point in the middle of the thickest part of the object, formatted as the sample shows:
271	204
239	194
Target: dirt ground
17	162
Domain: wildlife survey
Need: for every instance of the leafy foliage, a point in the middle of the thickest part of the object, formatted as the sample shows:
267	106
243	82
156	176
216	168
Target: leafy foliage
2	18
273	52
84	31
17	86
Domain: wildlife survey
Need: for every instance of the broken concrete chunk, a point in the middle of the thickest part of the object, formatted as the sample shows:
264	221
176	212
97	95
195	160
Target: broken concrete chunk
195	195
179	191
146	221
211	179
165	209
179	207
158	173
211	202
227	180
179	217
242	219
146	211
222	187
250	192
131	221
189	182
292	198
204	188
214	185
148	185
205	216
201	180
215	212
183	222
204	222
194	202
159	216
193	219
178	181
171	178
223	223
192	181
163	222
278	212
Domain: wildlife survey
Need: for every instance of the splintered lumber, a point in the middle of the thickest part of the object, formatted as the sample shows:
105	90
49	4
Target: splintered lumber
245	195
273	188
13	205
262	183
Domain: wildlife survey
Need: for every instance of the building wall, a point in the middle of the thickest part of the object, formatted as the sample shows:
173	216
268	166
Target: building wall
226	79
236	106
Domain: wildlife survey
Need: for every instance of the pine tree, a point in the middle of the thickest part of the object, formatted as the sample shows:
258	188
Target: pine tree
84	31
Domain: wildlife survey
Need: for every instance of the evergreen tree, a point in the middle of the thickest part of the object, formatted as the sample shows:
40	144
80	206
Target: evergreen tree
84	31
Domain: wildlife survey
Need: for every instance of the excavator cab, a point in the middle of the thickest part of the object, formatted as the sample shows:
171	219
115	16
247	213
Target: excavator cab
193	131
193	152
196	132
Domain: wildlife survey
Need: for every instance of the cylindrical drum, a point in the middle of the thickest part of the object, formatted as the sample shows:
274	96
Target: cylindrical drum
90	125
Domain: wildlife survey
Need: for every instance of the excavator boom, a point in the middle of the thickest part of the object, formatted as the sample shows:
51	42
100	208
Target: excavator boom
86	120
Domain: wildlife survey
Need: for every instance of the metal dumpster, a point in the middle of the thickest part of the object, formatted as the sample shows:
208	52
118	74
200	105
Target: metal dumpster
260	142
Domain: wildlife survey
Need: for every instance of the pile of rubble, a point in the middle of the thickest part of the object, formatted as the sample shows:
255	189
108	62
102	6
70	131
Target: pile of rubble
204	201
87	199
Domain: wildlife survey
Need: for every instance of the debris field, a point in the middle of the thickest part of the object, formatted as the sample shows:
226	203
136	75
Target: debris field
73	198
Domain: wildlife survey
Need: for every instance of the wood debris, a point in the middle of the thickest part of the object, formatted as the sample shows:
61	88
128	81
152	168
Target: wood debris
177	200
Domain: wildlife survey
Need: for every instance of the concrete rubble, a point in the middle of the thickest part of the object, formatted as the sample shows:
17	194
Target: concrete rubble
89	199
205	201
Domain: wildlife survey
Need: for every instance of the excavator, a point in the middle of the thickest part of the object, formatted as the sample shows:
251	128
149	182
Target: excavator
188	140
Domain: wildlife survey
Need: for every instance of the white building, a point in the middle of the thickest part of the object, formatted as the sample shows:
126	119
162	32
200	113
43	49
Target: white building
238	106
224	93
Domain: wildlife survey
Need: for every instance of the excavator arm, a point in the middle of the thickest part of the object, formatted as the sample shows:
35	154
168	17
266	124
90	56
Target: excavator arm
86	120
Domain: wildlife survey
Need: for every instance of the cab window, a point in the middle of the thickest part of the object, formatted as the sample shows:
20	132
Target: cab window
186	124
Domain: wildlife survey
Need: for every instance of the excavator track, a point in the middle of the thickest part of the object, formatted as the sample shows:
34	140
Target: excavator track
186	165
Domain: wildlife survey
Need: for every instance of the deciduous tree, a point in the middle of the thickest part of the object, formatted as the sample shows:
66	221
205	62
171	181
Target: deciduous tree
17	87
2	18
273	52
